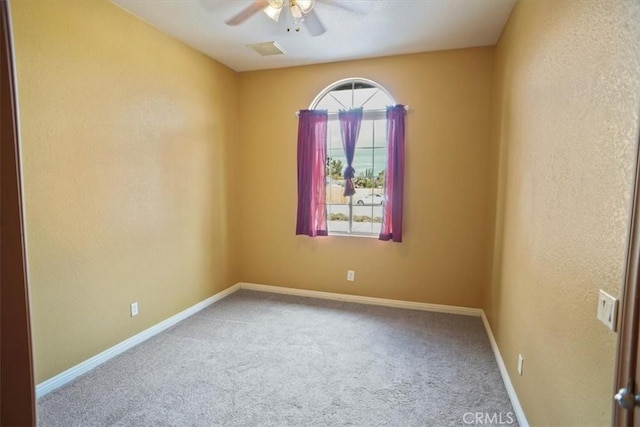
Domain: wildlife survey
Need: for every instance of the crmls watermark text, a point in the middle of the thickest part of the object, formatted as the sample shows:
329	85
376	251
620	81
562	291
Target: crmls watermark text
488	418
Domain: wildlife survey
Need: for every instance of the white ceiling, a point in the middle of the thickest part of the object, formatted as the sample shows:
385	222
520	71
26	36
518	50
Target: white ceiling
382	28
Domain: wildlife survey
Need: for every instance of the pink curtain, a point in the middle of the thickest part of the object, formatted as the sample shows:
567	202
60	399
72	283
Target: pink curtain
350	129
394	176
312	155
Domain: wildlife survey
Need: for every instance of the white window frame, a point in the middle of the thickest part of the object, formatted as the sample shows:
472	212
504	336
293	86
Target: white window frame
367	115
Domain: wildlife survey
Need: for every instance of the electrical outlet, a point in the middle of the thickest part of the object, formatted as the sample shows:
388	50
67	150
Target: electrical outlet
520	363
607	310
134	309
351	275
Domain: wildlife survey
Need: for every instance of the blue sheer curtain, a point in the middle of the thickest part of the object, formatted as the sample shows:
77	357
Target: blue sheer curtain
350	129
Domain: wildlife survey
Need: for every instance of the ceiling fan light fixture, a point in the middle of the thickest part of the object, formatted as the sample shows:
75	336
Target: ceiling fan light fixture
296	12
276	4
274	9
305	5
272	12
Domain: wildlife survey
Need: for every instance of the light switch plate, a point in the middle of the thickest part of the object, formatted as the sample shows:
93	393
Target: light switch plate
607	310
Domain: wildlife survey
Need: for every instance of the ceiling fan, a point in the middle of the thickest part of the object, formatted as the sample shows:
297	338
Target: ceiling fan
299	11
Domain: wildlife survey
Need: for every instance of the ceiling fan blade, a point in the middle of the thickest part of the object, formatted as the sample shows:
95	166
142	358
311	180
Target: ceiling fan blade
247	12
356	6
313	24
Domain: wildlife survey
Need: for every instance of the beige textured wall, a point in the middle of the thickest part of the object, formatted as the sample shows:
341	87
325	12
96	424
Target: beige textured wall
567	94
443	256
128	140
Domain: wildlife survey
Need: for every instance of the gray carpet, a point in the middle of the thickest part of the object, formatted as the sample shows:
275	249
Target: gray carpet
273	360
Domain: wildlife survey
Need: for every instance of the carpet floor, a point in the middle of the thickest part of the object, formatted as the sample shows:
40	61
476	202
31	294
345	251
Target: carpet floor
261	359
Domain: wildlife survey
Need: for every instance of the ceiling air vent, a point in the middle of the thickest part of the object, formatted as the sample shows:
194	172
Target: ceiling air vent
267	48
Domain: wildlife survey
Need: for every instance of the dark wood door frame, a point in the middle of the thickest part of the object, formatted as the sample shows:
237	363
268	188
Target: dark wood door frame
627	353
17	406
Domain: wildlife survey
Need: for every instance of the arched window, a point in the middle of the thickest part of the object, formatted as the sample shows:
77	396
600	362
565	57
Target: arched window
362	213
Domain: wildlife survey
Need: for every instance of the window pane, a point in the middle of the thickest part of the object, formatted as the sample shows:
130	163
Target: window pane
363	98
338	218
380	133
334	138
365	137
379	101
368	218
336	162
369	162
376	226
380	161
342	98
328	103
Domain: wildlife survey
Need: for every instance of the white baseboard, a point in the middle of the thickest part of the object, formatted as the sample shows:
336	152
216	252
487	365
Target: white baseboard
517	408
72	373
363	300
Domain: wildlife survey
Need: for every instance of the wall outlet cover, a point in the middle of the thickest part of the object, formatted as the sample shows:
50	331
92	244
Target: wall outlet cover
607	310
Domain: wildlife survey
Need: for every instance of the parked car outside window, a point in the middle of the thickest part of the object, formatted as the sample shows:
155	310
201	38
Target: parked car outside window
370	199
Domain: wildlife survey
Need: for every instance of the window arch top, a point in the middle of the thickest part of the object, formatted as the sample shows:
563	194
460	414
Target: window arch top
352	93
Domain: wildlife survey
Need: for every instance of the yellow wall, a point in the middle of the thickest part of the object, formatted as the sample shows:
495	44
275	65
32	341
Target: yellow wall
127	141
443	256
567	93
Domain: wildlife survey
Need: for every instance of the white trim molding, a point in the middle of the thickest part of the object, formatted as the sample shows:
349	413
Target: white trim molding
72	373
517	408
363	300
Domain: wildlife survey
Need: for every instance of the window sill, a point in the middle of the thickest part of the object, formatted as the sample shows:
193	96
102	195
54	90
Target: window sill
365	236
